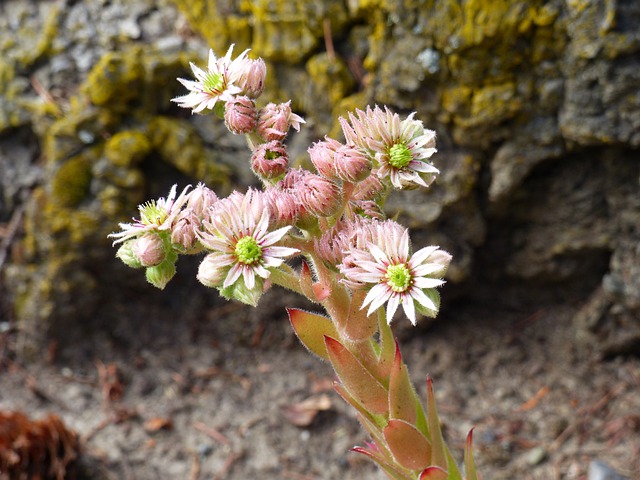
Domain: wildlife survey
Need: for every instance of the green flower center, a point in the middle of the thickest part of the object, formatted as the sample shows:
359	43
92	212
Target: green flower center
152	214
248	251
399	155
214	82
398	277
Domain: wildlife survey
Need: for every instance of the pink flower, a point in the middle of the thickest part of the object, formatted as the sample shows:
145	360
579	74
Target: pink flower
239	241
401	148
155	216
218	82
397	277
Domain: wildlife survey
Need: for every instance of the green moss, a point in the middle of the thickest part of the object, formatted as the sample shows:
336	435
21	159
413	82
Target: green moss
70	184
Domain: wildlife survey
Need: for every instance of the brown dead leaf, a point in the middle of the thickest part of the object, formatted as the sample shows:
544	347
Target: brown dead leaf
158	423
303	413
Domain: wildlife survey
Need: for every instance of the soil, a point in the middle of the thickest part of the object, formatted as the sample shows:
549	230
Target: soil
232	394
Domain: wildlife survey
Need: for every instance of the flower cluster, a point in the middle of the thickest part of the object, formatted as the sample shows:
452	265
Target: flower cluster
355	263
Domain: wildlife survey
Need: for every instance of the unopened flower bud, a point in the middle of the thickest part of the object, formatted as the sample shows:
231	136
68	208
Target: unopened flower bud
201	199
352	164
274	121
240	115
368	189
149	249
322	156
183	232
270	160
283	207
319	195
125	253
368	208
210	272
160	275
252	78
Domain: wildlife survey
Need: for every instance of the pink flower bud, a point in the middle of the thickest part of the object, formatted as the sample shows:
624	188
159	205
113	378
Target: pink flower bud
211	272
149	249
274	121
283	206
322	156
201	199
368	189
183	231
240	115
270	160
251	80
368	208
352	164
319	195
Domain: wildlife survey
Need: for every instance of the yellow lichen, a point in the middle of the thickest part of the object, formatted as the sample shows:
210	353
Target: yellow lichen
115	80
126	149
70	184
181	146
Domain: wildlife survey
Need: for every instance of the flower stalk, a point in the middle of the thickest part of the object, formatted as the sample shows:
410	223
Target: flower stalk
358	266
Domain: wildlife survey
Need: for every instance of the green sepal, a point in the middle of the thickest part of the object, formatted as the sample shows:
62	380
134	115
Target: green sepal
125	253
239	291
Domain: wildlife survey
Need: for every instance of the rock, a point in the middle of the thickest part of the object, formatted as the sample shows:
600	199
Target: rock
535	105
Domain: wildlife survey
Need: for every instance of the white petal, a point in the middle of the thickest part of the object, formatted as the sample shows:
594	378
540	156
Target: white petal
421	255
376	296
423	300
425	282
233	275
392	306
249	277
409	308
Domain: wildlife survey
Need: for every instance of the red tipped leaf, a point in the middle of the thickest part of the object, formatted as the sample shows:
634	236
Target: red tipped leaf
410	448
402	398
356	378
433	473
311	330
439	458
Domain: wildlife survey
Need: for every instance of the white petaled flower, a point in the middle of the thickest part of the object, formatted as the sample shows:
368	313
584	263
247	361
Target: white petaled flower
398	278
239	241
155	216
401	148
218	83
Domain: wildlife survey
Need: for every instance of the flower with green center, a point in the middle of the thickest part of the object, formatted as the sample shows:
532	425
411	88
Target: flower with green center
399	156
401	148
240	245
398	277
155	216
248	251
393	276
218	83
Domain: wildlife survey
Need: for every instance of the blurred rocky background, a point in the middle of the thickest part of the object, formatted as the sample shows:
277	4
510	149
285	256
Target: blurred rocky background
536	104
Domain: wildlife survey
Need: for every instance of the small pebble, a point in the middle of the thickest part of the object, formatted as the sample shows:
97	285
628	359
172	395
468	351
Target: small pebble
598	470
536	456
